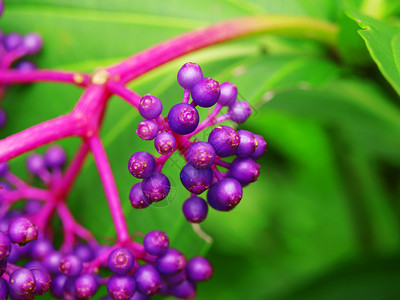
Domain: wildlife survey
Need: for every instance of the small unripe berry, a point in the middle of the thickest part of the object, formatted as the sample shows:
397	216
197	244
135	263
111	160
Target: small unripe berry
247	144
55	157
239	111
33	43
165	143
150	107
195	209
228	94
147	130
35	163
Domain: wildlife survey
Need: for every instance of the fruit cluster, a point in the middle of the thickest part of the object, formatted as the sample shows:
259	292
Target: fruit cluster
201	172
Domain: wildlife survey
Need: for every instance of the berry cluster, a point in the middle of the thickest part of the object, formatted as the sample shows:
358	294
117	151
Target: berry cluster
13	47
201	172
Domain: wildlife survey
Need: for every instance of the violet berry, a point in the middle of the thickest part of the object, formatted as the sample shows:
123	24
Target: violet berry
137	197
42	280
225	140
247	144
86	286
205	93
70	265
33	43
120	261
150	107
239	111
121	287
196	180
5	246
172	262
57	285
245	170
228	94
69	291
199	269
3	289
55	157
195	209
4	168
40	249
185	290
147	130
156	187
225	195
156	242
22	281
165	143
12	41
201	155
52	262
140	296
183	118
3	118
3	266
148	280
84	252
35	163
25	66
189	74
141	164
21	231
261	147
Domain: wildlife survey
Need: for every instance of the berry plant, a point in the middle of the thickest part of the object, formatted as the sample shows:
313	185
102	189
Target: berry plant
209	125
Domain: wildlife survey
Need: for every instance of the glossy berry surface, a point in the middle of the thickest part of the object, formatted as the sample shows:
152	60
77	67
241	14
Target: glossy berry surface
205	93
228	94
165	143
21	231
183	118
22	281
35	163
245	170
25	66
141	164
32	43
239	111
201	155
225	140
171	262
185	290
42	281
55	157
189	74
156	242
86	286
195	209
261	147
12	41
120	261
121	287
196	180
70	265
247	144
40	248
156	187
57	285
3	289
147	130
199	269
137	197
227	194
148	280
150	107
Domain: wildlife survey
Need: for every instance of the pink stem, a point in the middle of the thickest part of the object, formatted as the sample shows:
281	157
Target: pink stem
222	163
110	188
41	134
12	56
186	96
13	76
14	180
126	94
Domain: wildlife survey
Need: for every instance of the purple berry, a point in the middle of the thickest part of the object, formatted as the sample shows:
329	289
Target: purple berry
147	130
33	43
199	269
3	118
12	41
183	118
189	74
4	168
245	170
25	66
185	290
205	93
52	262
140	296
150	107
3	289
3	266
41	248
239	111
156	187
35	163
195	209
22	281
86	286
32	206
156	242
228	94
121	287
84	252
196	180
42	279
120	261
21	231
55	157
34	264
172	262
137	198
201	155
175	279
247	144
70	265
225	195
148	280
165	143
261	147
225	140
141	164
5	246
69	292
57	285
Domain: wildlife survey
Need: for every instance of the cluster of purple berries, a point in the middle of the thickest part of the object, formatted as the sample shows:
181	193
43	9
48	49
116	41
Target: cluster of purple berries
200	173
13	47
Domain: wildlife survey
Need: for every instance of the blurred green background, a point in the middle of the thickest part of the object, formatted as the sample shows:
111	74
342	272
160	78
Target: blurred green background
323	220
